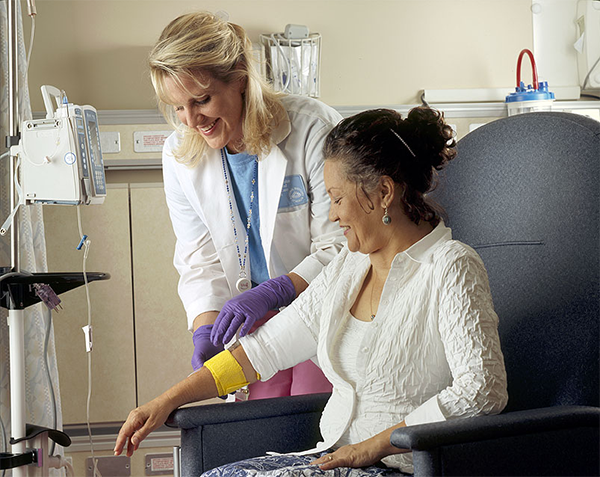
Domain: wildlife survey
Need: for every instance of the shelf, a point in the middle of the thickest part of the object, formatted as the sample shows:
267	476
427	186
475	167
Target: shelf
17	291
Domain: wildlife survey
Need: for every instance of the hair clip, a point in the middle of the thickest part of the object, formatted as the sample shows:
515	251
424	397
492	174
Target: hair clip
403	142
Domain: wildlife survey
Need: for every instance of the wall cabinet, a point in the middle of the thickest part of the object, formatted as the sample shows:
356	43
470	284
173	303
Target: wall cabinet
140	337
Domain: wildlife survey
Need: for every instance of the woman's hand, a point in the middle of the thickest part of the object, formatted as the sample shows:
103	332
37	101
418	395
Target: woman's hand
363	454
353	455
198	386
141	422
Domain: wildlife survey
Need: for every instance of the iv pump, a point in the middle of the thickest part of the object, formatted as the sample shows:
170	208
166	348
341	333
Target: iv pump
61	157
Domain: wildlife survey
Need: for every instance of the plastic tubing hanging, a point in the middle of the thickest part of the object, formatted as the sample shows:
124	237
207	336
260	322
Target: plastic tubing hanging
533	68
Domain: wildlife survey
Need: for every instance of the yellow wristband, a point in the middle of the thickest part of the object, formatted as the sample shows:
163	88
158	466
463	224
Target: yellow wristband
227	373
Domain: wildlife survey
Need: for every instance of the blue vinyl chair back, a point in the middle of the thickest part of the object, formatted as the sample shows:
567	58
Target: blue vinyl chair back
524	192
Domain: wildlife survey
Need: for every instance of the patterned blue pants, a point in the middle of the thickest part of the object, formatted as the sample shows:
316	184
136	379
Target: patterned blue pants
293	466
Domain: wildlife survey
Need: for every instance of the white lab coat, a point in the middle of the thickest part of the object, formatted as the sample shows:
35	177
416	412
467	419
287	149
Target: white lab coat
296	237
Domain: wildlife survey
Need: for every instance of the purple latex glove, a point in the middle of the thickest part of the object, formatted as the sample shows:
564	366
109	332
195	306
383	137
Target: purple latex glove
250	306
203	348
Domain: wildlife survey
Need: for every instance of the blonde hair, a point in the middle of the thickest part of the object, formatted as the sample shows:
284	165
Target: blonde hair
202	46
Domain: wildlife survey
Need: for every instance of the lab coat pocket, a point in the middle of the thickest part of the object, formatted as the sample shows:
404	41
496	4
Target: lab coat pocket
294	223
291	237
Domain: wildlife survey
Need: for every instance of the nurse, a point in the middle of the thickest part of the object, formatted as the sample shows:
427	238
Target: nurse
243	178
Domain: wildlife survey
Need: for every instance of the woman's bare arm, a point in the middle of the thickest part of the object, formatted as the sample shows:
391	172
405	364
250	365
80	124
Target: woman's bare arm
196	387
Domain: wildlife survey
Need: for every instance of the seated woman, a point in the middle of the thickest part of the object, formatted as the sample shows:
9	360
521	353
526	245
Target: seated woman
402	320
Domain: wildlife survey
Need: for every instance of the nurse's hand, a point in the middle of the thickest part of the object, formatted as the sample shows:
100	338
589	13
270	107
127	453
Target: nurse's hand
204	349
243	310
141	422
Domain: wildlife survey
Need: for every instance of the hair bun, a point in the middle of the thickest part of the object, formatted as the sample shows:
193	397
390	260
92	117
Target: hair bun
434	137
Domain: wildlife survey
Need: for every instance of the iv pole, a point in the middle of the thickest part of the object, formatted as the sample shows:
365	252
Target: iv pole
15	316
16	294
13	114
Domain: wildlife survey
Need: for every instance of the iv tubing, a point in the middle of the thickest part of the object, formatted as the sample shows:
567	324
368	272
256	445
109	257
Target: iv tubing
536	85
86	244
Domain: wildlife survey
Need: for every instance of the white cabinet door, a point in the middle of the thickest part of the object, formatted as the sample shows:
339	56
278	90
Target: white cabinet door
164	345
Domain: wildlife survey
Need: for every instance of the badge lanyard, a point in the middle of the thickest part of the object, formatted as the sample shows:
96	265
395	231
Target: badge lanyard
243	283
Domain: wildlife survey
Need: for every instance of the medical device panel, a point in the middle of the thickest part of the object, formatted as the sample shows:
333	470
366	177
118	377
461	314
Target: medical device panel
48	169
96	164
61	158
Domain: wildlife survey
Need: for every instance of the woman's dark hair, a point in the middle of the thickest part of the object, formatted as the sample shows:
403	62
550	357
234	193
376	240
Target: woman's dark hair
380	142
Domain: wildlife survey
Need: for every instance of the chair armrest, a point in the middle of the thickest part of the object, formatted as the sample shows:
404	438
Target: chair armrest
560	440
217	434
191	417
459	431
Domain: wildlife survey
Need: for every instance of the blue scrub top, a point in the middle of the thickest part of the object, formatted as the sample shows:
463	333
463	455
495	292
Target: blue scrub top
242	170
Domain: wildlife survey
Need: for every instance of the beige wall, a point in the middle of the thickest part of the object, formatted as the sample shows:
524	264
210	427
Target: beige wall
375	52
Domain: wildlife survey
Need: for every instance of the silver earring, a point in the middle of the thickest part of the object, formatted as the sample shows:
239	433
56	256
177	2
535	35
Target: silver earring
386	219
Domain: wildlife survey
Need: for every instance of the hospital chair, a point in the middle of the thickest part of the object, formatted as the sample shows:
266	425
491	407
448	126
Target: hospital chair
524	192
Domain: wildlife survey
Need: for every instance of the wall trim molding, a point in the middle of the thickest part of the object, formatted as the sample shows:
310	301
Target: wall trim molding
451	110
141	117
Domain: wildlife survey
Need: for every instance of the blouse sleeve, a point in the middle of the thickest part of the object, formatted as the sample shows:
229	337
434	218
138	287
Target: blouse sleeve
292	336
468	327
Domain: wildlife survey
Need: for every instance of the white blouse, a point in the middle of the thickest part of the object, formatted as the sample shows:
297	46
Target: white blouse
345	352
432	354
344	357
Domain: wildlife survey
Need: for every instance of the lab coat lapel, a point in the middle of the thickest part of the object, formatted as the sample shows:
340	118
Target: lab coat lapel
271	173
